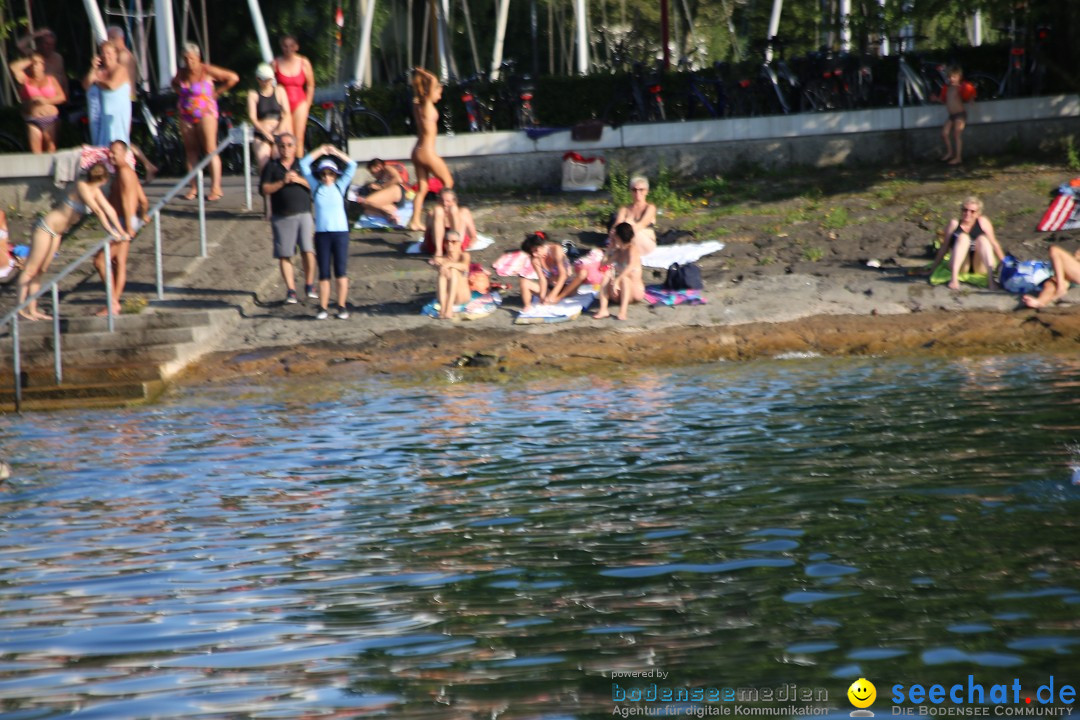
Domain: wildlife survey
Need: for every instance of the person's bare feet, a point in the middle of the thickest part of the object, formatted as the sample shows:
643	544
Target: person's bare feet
27	315
620	316
215	195
151	173
42	315
953	285
415	228
1032	302
103	312
946	157
601	315
191	194
955	161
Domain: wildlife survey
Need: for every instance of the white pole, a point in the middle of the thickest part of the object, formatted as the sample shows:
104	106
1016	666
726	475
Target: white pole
166	42
446	58
96	23
260	31
885	36
774	27
363	58
845	25
500	37
976	28
582	37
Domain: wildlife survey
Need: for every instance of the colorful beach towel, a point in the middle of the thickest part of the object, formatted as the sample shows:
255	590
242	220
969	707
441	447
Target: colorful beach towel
517	264
563	311
663	256
657	295
480	306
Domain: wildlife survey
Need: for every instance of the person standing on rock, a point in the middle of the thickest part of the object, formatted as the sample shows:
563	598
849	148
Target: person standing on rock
290	215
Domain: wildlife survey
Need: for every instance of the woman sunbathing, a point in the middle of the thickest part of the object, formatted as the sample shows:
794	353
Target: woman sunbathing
557	277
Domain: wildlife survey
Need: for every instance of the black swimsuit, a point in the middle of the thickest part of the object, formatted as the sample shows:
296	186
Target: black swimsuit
268	106
976	232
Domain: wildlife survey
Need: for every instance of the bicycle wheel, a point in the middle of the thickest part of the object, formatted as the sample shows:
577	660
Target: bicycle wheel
316	134
167	150
364	123
8	144
987	87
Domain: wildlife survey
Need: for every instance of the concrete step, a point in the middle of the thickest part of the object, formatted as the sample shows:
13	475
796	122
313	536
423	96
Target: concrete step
83	375
66	396
72	358
144	337
122	323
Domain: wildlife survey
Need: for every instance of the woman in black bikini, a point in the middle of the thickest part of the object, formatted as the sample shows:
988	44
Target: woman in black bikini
974	246
641	214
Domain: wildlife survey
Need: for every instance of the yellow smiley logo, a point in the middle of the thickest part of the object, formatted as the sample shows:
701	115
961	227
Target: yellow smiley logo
862	693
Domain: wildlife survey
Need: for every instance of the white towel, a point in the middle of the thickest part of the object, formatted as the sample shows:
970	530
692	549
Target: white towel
482	241
66	166
663	256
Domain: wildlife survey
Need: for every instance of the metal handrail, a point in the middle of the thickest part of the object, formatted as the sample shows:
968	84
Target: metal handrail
237	135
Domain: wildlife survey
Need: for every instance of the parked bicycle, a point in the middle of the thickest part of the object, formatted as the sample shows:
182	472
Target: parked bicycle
342	117
517	94
714	106
478	114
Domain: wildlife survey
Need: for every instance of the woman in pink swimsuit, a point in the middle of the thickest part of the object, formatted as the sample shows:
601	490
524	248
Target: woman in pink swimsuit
293	72
40	94
194	84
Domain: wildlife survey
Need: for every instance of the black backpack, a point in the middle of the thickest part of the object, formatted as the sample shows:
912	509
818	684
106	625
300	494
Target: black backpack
683	277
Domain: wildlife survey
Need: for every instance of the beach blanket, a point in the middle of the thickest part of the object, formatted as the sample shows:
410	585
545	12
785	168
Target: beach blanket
482	242
943	274
378	222
562	311
662	257
657	295
481	305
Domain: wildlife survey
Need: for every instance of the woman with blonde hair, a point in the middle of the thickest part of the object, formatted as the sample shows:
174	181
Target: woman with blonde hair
971	240
640	214
427	90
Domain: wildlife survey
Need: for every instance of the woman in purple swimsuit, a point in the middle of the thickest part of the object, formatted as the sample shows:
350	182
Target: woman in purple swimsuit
194	84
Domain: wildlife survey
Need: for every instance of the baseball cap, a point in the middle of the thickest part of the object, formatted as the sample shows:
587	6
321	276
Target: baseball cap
264	72
327	164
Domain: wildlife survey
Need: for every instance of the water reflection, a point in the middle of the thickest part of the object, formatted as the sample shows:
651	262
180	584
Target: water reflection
475	550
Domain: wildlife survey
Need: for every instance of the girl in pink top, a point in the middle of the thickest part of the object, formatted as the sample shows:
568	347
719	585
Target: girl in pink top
293	72
40	93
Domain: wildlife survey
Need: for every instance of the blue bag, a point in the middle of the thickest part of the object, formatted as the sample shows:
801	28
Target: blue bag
1024	277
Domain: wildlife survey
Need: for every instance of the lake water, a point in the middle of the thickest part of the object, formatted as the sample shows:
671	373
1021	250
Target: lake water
340	548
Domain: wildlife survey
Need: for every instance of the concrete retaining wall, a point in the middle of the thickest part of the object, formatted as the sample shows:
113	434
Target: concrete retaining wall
1034	126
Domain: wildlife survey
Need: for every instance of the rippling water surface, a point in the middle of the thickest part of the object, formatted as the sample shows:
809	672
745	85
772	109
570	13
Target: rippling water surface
340	549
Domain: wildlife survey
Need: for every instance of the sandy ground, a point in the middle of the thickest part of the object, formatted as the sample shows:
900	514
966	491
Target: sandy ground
793	278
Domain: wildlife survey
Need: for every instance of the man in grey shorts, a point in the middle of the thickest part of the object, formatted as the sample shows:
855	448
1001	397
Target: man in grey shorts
290	215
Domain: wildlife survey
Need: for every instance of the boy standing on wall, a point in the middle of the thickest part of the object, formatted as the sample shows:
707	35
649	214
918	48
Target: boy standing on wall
956	95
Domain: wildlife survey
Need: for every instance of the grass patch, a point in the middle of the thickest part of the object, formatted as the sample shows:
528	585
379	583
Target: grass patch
1072	155
813	254
836	218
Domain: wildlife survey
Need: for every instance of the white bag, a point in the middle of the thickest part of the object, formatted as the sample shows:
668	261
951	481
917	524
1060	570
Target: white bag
582	173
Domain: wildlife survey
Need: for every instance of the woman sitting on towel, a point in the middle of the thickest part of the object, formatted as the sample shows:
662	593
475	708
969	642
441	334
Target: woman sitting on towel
641	214
557	277
448	215
86	199
623	281
386	194
973	245
453	269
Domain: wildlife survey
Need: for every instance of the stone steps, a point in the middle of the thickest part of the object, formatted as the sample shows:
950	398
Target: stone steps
82	395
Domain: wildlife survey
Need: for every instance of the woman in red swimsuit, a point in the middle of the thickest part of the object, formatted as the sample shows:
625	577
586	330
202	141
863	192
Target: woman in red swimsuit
293	72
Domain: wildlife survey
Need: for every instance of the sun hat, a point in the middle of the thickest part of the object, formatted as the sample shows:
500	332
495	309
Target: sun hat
264	72
327	164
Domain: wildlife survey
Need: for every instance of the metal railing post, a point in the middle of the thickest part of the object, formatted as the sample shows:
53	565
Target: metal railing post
17	362
247	165
159	274
202	214
58	364
107	249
